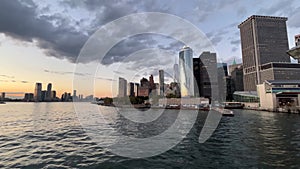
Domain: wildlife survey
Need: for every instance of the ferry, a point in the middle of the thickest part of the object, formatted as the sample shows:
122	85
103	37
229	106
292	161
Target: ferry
233	105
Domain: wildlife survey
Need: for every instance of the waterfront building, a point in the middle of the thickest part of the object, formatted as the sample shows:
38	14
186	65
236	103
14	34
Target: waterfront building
280	95
44	95
38	92
184	102
122	87
264	40
196	71
28	97
186	72
223	81
246	97
53	94
161	82
144	89
48	93
130	88
3	95
74	97
136	89
208	74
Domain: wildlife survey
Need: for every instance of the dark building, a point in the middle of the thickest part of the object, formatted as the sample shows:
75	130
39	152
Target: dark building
144	89
222	80
48	93
151	81
196	70
38	92
237	78
29	97
264	40
44	95
131	89
208	74
280	71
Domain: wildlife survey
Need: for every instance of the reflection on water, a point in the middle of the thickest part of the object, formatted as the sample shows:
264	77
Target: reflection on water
37	135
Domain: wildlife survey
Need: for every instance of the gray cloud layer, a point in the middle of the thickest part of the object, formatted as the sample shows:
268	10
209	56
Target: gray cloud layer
62	37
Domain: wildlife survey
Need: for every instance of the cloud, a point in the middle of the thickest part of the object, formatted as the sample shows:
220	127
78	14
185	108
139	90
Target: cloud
7	76
58	40
66	73
281	7
236	42
106	79
23	81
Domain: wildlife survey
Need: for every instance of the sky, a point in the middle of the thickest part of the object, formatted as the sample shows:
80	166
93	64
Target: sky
42	41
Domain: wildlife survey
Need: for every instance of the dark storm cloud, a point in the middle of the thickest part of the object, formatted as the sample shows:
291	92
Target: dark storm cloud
25	24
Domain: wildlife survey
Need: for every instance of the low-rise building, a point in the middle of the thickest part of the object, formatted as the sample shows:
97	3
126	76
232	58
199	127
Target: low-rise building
280	95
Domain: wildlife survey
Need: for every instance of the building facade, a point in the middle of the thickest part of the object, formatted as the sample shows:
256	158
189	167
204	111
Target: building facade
186	79
264	40
208	74
196	70
122	87
38	92
161	82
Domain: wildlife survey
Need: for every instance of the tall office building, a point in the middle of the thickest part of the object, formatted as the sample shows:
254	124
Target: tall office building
122	87
264	40
186	72
48	93
130	89
208	74
196	70
161	83
38	92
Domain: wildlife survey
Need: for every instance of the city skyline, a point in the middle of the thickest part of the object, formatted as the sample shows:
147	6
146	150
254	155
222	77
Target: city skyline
28	60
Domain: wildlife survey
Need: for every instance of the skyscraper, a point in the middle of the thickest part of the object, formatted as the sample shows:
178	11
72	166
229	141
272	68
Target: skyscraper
208	74
122	87
264	40
48	93
186	72
38	92
161	82
196	70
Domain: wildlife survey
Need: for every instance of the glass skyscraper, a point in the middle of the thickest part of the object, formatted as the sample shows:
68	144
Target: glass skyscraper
186	72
